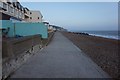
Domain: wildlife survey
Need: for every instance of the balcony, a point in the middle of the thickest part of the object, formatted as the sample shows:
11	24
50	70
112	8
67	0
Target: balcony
9	1
18	5
20	14
27	9
26	16
27	12
4	6
16	13
11	10
21	8
14	4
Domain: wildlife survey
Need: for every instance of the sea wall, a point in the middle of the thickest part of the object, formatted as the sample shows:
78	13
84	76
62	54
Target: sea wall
13	46
16	52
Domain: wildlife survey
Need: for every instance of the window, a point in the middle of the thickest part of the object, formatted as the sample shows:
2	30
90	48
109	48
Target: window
12	10
38	17
30	17
1	5
20	14
16	13
30	12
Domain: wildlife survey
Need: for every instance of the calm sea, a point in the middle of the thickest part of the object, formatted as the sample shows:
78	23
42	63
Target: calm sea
106	34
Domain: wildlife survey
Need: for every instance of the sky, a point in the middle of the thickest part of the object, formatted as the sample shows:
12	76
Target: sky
69	0
79	16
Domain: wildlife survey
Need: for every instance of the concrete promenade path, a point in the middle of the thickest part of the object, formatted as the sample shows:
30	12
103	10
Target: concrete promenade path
60	59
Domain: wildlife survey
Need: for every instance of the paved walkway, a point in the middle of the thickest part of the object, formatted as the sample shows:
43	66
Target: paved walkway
60	59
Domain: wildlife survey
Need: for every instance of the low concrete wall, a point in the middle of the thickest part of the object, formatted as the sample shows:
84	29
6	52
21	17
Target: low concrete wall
14	46
17	51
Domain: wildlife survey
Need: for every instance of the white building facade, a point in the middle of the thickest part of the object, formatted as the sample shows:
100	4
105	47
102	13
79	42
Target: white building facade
12	9
35	16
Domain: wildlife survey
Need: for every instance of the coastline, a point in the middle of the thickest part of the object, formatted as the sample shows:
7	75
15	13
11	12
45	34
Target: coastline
103	51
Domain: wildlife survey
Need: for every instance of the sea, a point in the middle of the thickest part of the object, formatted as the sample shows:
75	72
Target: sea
105	34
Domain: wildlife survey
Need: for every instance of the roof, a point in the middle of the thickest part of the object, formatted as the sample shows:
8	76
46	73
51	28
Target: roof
36	11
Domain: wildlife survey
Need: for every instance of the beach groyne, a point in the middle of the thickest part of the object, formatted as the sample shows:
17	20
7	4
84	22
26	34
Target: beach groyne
81	33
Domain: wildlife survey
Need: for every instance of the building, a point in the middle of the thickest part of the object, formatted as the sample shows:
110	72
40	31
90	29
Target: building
16	20
46	23
51	27
35	16
54	27
13	10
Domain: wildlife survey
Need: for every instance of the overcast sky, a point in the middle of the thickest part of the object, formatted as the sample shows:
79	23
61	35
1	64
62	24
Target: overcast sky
79	15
